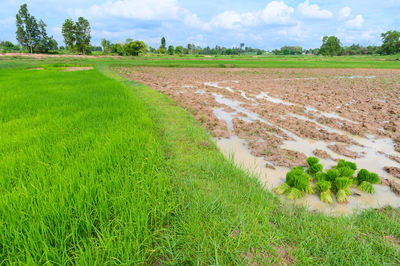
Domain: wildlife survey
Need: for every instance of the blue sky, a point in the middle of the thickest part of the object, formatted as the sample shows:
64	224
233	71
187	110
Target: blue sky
261	24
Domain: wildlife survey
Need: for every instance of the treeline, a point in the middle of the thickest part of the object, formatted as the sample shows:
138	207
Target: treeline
9	46
332	46
354	49
131	47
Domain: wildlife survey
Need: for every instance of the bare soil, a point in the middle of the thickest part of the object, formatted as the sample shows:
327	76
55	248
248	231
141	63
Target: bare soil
71	69
282	113
359	102
395	171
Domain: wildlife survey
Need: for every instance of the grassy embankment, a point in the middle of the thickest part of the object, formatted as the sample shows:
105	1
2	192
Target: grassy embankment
95	170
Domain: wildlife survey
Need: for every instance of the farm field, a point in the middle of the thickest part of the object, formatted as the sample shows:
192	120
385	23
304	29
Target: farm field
287	115
386	62
98	167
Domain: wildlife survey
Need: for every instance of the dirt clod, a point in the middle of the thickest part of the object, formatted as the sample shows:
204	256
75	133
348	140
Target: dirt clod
394	171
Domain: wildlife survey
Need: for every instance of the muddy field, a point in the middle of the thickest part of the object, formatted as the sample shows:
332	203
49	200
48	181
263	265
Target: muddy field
285	115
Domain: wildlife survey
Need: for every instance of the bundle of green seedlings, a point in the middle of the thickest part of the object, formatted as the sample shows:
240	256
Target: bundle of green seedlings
296	185
366	180
337	180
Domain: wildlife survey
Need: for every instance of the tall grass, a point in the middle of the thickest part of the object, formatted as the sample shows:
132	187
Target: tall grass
81	176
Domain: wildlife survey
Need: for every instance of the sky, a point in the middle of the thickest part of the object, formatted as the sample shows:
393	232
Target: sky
259	24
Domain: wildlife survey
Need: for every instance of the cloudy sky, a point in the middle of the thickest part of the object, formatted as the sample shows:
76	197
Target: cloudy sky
257	23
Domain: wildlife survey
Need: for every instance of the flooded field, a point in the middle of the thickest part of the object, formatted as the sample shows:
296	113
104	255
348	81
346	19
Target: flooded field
272	119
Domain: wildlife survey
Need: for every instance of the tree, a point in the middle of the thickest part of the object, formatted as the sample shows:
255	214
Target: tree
77	35
7	44
68	32
179	49
52	44
106	45
163	43
33	35
117	49
189	48
330	46
82	35
134	48
45	43
171	50
241	47
391	42
27	28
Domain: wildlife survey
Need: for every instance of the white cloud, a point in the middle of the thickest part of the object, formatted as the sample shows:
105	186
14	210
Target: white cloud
356	22
296	33
192	20
313	11
228	19
275	13
363	37
345	12
133	9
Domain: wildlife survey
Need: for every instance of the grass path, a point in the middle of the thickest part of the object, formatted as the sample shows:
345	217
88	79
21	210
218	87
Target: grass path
95	169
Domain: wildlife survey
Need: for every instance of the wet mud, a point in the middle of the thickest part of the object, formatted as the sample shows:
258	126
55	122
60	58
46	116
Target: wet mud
282	116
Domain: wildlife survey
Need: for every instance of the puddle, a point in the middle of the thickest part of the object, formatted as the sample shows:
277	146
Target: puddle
373	150
265	96
201	92
297	79
236	149
243	94
187	87
216	85
319	113
374	158
355	77
225	116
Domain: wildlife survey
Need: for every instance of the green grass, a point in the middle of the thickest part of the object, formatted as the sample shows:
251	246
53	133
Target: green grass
79	159
95	169
386	62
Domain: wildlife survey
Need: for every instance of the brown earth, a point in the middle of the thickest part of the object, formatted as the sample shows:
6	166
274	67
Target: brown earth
394	171
265	104
71	69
